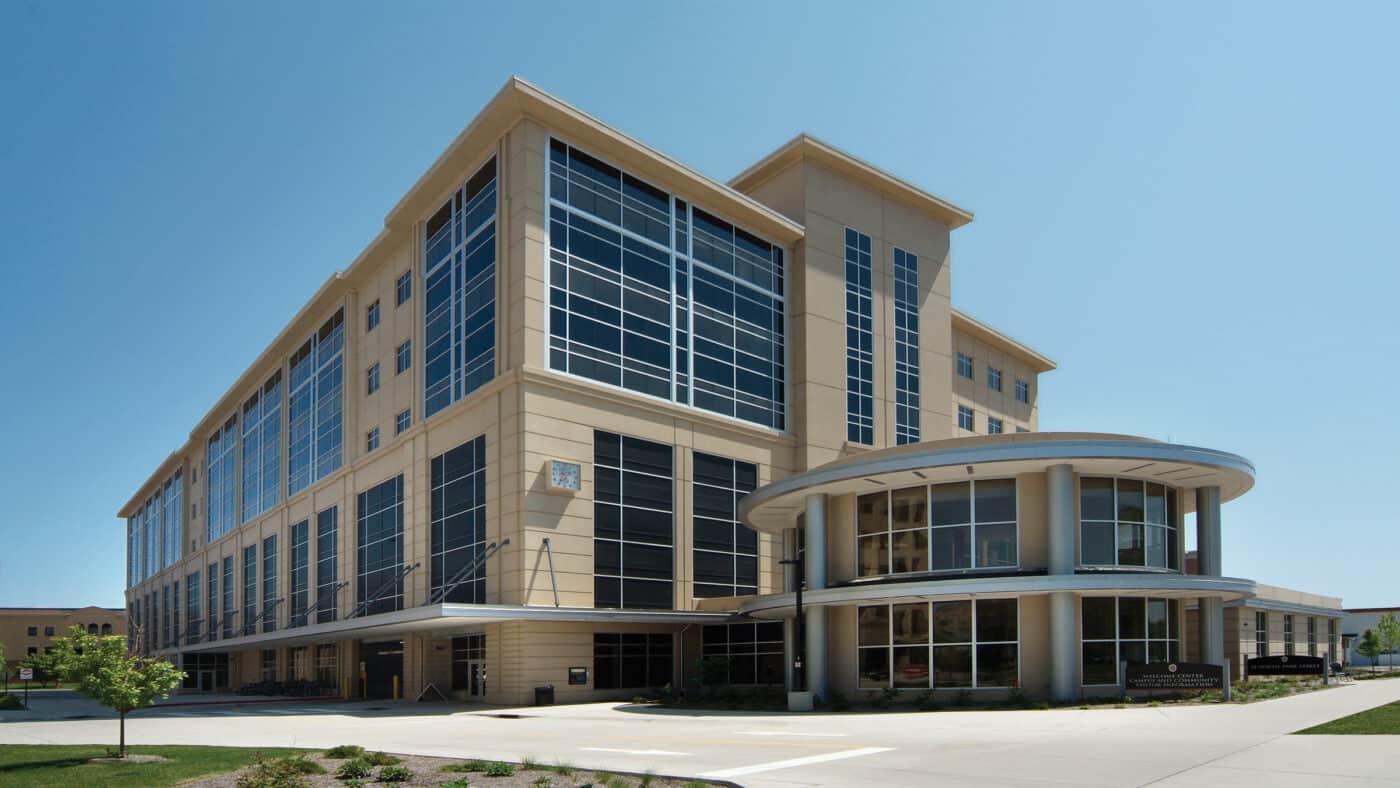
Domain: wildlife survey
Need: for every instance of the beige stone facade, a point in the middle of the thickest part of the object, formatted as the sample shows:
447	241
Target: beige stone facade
542	551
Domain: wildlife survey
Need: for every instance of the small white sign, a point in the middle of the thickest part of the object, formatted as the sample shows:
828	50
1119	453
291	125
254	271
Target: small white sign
26	674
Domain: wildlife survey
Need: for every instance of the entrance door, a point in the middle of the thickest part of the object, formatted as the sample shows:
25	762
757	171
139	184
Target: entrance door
206	681
383	661
476	684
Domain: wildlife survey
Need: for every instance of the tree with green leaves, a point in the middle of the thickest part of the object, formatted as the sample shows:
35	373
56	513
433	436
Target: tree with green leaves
44	664
1369	646
1388	635
101	668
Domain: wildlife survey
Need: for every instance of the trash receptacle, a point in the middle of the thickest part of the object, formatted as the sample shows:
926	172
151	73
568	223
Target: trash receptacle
544	696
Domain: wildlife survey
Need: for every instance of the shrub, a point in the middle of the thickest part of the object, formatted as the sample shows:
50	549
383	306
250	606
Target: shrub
499	769
529	764
615	781
355	769
562	769
472	765
345	751
394	774
382	759
279	772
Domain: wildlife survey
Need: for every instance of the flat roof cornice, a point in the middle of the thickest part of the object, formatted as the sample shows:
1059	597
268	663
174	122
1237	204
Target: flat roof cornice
971	326
805	146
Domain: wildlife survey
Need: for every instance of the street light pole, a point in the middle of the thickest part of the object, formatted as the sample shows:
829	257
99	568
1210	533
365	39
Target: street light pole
799	671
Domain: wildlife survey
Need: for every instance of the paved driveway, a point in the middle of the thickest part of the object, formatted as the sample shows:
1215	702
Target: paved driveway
1166	746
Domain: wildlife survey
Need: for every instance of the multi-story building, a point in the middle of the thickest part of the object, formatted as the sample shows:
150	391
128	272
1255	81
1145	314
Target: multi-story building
31	630
1355	622
561	421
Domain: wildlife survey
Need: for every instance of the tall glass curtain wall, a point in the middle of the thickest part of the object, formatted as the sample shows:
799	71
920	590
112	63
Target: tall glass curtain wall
633	523
226	613
458	502
460	280
299	577
327	554
219	476
153	533
725	552
315	406
250	589
211	604
379	535
262	449
1126	522
657	296
860	340
951	526
269	584
906	347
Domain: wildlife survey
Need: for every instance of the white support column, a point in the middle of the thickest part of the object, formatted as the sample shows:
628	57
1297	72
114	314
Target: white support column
814	568
1064	605
1211	610
789	625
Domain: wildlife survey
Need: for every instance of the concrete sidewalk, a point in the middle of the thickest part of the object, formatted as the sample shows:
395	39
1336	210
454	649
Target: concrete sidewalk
1167	745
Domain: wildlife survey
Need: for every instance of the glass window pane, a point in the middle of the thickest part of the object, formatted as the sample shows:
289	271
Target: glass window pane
1100	664
1133	652
1098	618
911	623
874	668
1098	545
1156	504
911	666
952	547
1132	618
910	551
1130	544
952	666
872	513
996	665
1157	618
909	508
996	500
996	620
1095	499
873	625
951	503
1156	546
952	622
874	555
996	545
1130	502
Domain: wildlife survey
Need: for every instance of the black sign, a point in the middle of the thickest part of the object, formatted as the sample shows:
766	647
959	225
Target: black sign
1287	666
1175	676
578	675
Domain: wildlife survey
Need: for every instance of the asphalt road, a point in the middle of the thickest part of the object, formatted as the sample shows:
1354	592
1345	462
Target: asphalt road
1166	746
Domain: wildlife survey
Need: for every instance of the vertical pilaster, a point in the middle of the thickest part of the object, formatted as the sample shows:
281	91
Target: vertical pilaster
1211	617
814	567
1064	607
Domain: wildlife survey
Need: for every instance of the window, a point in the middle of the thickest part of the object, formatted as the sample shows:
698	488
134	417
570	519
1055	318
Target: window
33	632
221	459
906	347
631	659
327	664
1019	428
1135	630
993	425
269	664
133	551
299	577
860	340
379	535
459	313
402	420
1261	634
372	440
1312	636
211	613
403	357
372	379
372	316
659	297
49	632
106	629
1331	640
958	525
327	553
1023	391
725	553
633	523
1125	522
468	660
227	611
269	584
403	288
172	606
965	418
458	522
174	507
965	366
743	654
262	449
993	378
939	645
315	410
192	616
1288	635
250	589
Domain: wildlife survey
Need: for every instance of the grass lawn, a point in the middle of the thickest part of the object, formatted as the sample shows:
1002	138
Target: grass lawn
66	765
1382	719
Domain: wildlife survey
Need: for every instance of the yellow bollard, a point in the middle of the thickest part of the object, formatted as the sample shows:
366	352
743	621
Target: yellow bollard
396	686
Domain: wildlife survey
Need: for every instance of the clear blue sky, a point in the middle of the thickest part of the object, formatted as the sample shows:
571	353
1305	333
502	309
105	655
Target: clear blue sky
1191	207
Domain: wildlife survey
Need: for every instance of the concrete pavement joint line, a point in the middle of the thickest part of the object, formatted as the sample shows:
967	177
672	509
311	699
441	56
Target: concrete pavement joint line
723	774
633	752
1204	764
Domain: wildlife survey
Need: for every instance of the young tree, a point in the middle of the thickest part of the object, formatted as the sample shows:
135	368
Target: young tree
1369	647
1388	633
100	668
44	664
